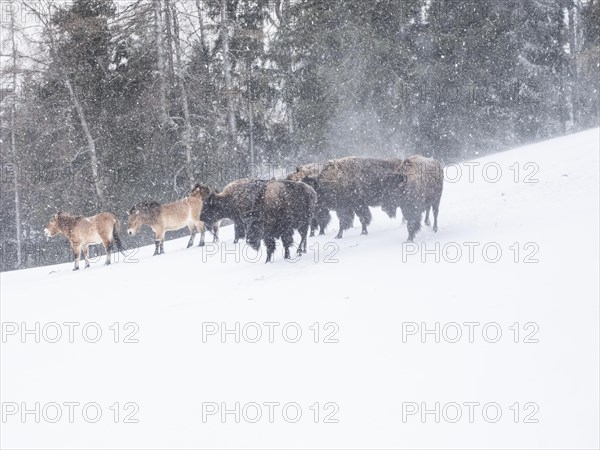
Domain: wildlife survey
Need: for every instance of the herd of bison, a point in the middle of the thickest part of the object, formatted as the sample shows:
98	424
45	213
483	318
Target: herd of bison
266	210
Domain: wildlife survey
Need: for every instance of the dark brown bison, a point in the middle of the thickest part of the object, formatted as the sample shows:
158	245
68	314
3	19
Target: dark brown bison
417	187
237	198
282	207
322	215
350	185
85	231
306	170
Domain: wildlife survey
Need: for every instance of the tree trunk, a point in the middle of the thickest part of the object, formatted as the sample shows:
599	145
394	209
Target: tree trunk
251	121
289	69
90	143
170	31
13	142
200	21
187	127
228	82
574	88
94	165
165	120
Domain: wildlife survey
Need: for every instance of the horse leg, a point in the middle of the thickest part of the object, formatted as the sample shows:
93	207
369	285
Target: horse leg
108	246
192	229
215	230
76	247
157	240
202	228
86	254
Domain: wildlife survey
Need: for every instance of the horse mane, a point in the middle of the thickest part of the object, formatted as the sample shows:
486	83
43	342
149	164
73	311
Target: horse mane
146	207
200	190
67	220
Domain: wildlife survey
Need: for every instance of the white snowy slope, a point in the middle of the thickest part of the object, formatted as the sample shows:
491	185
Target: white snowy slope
368	290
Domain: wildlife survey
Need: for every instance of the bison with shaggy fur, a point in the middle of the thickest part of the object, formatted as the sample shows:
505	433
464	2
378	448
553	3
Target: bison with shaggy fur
306	170
281	208
236	198
322	215
350	185
417	188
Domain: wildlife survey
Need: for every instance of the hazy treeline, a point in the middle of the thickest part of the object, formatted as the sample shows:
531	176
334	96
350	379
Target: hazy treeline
106	103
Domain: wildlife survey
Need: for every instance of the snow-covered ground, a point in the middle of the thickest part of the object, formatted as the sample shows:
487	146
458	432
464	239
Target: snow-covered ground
370	298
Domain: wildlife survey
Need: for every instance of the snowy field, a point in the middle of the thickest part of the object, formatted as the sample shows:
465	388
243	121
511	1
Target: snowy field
508	287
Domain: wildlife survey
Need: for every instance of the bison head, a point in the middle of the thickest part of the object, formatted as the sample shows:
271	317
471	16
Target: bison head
393	188
255	230
213	209
390	210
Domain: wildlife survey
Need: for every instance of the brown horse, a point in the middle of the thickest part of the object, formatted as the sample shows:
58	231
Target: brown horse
170	217
85	231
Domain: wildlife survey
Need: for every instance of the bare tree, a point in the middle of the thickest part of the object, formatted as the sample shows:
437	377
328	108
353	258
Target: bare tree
165	119
91	146
13	138
232	125
170	31
186	134
282	10
200	21
573	12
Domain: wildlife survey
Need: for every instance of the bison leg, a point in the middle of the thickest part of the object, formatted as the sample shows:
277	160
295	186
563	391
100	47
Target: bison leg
323	219
270	244
413	225
314	225
346	217
239	230
436	210
156	247
162	246
364	214
303	230
427	222
288	240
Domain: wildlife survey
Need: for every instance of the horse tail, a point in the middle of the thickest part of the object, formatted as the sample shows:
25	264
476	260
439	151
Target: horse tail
117	238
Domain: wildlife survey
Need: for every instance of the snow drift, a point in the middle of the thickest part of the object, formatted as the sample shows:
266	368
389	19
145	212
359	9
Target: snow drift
482	335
